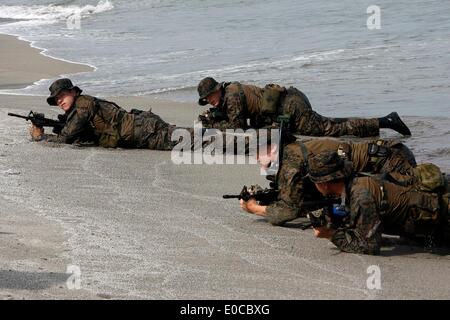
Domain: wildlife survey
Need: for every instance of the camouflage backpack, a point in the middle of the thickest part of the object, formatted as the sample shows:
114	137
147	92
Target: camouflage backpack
429	177
270	99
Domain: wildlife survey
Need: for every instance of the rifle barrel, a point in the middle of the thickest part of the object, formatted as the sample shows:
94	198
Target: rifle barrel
17	115
231	196
39	119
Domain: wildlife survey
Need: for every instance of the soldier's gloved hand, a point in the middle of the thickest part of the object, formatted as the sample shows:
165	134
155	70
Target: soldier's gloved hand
36	132
251	206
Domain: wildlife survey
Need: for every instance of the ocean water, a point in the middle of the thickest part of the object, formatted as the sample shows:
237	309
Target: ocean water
165	47
322	47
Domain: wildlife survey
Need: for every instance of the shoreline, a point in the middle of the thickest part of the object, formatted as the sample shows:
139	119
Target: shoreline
22	64
31	65
43	51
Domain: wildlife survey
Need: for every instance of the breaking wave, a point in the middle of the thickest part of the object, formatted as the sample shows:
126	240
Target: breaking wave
441	152
49	14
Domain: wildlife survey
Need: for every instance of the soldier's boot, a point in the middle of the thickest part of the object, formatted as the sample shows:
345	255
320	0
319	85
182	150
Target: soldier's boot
393	121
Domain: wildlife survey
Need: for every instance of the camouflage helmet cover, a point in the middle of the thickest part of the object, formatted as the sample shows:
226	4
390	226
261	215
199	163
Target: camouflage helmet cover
207	86
58	86
328	166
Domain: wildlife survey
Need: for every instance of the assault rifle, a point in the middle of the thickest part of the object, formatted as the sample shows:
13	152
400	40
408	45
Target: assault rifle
39	120
217	115
267	195
263	196
213	115
331	212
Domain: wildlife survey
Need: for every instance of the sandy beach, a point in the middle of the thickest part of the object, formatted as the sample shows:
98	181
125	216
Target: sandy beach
21	64
140	227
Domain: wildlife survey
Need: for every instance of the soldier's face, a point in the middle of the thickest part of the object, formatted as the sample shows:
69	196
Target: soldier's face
323	188
214	98
331	188
65	99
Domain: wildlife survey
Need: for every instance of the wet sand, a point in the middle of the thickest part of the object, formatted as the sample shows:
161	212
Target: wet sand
21	64
139	226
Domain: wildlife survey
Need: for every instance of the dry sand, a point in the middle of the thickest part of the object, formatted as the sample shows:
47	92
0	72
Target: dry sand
139	226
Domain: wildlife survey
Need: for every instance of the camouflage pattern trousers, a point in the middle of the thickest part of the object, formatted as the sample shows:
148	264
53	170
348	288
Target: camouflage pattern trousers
309	123
152	132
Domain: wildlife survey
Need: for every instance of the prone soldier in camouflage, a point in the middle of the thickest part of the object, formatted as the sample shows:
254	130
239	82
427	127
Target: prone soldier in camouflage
103	122
377	205
234	103
378	156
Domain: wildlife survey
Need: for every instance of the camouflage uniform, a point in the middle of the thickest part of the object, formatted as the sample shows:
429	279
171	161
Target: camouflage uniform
386	207
376	205
295	188
241	102
105	123
110	126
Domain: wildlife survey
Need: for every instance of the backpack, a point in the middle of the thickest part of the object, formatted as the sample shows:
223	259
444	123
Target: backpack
429	177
